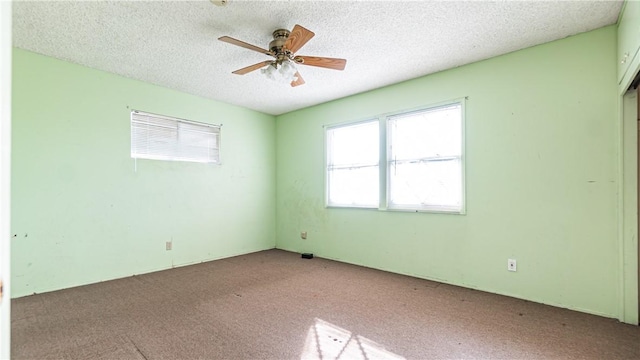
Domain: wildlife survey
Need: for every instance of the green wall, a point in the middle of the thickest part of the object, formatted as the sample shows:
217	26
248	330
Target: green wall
542	175
541	179
81	214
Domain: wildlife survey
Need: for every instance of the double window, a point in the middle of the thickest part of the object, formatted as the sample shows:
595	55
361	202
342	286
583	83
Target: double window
417	164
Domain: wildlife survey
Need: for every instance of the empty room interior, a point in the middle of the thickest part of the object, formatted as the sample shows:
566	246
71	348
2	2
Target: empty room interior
319	179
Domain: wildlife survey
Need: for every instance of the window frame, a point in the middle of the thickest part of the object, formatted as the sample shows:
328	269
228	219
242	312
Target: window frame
179	123
384	145
461	210
327	183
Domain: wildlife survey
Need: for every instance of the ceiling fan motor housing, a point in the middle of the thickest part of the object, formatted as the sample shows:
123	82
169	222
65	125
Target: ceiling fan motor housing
280	37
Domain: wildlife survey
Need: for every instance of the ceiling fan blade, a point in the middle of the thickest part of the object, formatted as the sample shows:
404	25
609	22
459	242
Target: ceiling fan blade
298	82
251	68
323	62
298	37
245	45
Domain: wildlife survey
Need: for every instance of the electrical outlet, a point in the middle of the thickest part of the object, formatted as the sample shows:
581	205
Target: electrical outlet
169	245
511	265
303	235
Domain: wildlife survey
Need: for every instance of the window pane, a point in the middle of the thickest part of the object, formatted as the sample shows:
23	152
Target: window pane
425	159
353	155
356	186
354	145
426	183
430	133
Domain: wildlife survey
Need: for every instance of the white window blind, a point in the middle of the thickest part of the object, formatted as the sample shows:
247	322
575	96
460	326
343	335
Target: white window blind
161	137
353	165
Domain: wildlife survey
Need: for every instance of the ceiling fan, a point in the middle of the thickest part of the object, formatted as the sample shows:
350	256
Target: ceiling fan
283	48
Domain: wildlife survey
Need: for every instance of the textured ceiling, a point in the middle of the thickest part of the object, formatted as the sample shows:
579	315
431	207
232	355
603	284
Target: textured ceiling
174	44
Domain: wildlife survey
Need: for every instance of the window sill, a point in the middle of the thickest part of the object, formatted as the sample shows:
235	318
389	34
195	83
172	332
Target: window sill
401	210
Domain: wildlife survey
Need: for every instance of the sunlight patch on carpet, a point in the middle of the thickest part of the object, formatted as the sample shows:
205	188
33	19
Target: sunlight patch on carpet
326	341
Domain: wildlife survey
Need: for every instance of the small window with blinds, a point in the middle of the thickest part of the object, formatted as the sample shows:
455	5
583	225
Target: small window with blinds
160	137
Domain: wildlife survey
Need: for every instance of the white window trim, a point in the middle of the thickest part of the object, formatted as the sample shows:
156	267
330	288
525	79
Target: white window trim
428	208
328	128
384	146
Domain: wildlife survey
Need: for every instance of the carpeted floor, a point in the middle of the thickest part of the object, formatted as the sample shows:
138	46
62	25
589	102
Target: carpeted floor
275	305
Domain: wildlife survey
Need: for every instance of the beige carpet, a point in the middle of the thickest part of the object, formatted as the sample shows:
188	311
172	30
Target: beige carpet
275	305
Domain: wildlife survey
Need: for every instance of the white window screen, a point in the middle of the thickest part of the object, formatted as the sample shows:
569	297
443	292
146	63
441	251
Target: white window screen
353	165
425	159
160	137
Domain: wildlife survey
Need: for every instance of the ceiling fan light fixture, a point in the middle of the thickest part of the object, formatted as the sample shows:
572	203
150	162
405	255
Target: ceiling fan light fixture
285	73
283	48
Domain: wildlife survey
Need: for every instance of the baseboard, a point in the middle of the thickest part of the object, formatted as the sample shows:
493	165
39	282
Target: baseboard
467	286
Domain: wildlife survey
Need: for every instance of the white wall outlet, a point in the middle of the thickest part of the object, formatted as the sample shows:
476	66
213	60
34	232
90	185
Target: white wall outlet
169	245
511	265
303	235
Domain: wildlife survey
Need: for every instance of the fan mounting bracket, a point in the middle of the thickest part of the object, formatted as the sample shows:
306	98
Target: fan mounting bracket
281	34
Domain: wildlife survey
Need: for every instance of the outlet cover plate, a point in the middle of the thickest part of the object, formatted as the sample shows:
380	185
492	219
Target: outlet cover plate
512	265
